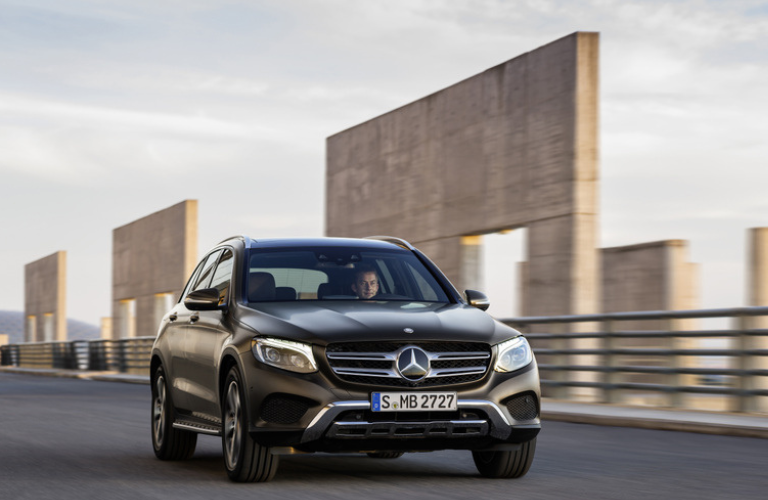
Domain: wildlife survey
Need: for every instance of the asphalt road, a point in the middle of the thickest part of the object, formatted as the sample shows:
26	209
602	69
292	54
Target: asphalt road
77	439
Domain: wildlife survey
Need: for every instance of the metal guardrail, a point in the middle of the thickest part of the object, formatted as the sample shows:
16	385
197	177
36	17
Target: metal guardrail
124	355
592	358
589	358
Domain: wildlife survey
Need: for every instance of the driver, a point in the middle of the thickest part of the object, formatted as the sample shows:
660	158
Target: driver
366	285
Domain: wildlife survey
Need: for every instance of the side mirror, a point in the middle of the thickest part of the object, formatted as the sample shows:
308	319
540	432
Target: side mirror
205	299
477	299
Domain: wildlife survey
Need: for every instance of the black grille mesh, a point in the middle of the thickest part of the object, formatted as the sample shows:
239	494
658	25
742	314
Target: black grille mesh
523	407
284	408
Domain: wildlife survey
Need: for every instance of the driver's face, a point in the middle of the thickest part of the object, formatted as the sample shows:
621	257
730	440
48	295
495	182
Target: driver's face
366	285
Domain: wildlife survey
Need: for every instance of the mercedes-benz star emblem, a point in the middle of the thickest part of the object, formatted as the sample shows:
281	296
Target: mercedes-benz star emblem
413	364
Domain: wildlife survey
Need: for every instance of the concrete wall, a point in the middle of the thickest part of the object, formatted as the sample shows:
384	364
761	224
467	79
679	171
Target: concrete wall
151	257
515	146
45	298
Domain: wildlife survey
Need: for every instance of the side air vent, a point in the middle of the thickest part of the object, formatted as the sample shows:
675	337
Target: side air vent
523	406
284	408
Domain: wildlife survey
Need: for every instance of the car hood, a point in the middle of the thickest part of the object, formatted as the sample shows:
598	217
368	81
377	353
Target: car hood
343	321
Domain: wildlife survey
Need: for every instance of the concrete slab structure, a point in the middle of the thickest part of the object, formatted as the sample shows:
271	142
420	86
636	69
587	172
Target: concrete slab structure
515	146
151	260
45	299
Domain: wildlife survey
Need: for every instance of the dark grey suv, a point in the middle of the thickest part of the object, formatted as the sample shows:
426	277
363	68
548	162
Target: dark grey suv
338	345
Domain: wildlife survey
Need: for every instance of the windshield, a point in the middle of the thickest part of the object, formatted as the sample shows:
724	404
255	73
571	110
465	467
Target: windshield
337	273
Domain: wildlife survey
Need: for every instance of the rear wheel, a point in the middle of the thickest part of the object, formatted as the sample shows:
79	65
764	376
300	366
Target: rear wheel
505	464
246	460
169	443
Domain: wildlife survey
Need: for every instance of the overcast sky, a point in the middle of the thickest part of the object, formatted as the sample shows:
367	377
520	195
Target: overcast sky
113	109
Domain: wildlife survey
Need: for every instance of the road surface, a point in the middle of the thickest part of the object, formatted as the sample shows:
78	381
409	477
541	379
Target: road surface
78	439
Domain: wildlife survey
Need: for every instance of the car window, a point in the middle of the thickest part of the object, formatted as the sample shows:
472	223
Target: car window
330	273
205	275
192	280
222	276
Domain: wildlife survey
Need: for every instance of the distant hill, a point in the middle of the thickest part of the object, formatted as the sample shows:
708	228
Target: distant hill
12	324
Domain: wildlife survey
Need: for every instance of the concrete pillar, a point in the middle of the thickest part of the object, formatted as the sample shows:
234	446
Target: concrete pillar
471	276
106	328
757	295
652	276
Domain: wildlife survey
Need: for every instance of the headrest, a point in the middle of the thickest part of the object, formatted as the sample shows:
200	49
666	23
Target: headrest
285	293
261	287
326	289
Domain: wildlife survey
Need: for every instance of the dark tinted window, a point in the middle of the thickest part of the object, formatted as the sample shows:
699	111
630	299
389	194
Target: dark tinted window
223	275
192	281
335	273
203	281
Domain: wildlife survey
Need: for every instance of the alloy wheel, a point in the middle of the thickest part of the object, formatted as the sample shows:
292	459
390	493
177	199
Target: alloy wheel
232	431
158	411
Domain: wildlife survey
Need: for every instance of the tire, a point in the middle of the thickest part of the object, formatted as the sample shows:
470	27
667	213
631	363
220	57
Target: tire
169	443
245	459
386	454
505	464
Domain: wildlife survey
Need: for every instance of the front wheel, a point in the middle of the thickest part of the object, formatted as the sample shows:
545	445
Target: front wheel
246	460
169	443
505	464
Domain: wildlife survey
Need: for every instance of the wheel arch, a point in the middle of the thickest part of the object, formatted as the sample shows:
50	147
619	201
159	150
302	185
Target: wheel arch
228	360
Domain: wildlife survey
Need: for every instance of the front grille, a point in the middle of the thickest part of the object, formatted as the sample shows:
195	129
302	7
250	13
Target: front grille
284	408
523	407
375	363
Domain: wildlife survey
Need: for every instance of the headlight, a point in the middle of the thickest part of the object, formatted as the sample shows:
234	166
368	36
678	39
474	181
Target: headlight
513	355
291	356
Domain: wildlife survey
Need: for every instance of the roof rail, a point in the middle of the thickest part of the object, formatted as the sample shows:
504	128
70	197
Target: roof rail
245	239
391	239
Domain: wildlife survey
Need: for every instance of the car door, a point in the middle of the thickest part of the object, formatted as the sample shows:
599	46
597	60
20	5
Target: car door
173	331
205	336
181	317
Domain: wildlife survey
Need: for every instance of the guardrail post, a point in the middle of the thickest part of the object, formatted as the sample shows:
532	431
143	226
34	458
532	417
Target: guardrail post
611	394
560	359
742	324
674	361
121	356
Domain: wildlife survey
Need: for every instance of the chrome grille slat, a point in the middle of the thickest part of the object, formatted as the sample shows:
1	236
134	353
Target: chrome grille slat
458	356
363	356
375	363
367	372
447	372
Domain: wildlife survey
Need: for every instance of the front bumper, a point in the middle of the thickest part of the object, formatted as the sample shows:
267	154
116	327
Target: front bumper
342	419
327	422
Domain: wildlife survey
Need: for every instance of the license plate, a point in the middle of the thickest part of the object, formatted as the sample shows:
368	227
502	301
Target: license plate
414	401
